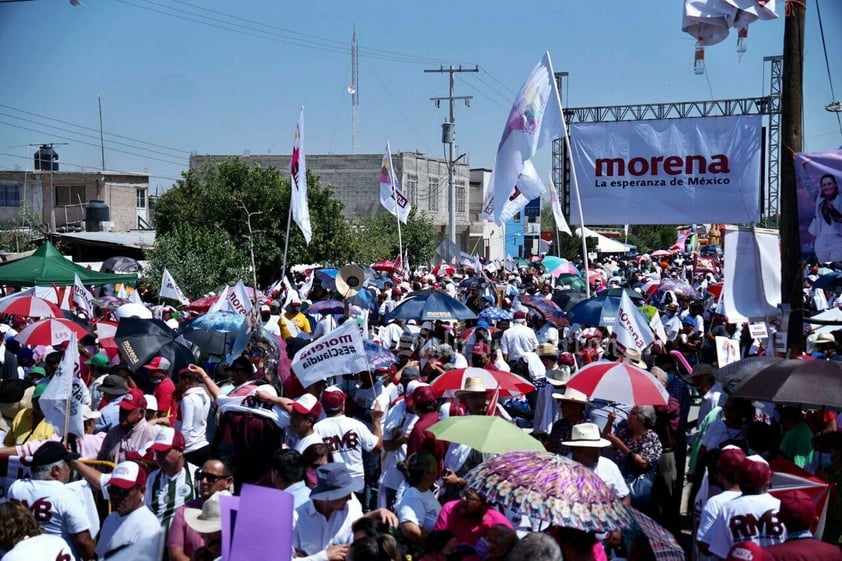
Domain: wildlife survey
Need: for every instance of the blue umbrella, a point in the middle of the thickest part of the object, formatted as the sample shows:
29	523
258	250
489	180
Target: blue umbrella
599	310
378	356
431	305
494	314
327	277
829	281
221	322
214	332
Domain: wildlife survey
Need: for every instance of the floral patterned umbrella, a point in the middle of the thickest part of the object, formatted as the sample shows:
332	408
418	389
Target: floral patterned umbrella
551	488
662	542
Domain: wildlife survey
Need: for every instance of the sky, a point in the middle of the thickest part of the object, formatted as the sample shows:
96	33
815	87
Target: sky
225	77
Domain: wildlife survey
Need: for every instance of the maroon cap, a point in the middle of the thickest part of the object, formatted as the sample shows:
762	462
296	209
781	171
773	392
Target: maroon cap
423	396
333	399
746	551
520	314
730	460
127	475
797	511
480	349
307	404
133	400
158	363
755	472
567	359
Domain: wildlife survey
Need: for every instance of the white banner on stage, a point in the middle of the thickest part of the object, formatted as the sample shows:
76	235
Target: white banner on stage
752	274
669	171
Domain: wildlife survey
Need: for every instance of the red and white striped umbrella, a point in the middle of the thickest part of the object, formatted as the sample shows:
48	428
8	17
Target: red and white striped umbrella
619	382
661	253
454	380
30	306
50	332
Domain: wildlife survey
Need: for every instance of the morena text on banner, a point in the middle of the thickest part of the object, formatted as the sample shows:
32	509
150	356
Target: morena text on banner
328	353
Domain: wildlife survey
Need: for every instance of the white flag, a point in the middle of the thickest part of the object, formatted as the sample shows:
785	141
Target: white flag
298	181
62	399
221	302
560	223
122	294
135	297
391	196
237	299
631	327
527	187
342	351
658	327
533	121
170	289
82	297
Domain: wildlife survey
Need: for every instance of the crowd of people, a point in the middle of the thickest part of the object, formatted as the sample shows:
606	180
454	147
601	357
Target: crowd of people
369	480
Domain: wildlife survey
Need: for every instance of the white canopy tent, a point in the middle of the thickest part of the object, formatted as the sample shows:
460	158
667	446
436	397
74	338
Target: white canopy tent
604	244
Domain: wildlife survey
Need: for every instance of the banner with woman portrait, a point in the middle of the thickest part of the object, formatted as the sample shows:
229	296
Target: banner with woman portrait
818	176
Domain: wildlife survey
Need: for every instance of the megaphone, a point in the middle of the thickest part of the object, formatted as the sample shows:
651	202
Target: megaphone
349	280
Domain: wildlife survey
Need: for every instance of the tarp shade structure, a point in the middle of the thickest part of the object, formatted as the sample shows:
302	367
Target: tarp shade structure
47	267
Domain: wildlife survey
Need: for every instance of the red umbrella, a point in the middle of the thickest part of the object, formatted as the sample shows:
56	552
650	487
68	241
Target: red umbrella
453	381
619	382
109	347
30	306
384	266
50	332
443	270
105	328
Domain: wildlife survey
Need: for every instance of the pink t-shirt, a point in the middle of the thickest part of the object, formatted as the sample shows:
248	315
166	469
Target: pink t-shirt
180	534
464	529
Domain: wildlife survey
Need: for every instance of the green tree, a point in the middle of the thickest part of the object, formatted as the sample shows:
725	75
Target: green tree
376	238
201	259
222	194
650	238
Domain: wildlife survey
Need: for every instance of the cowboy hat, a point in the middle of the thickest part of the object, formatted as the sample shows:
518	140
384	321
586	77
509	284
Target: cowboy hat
633	356
574	396
586	435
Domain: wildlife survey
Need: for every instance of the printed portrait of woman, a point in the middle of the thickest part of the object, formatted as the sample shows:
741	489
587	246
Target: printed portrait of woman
826	226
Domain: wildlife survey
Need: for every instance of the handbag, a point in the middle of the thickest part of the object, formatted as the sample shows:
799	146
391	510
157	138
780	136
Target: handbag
640	489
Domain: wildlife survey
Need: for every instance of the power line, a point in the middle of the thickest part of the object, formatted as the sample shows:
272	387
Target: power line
110	134
90	143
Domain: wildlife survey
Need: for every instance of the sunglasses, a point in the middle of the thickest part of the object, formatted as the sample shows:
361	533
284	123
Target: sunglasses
200	475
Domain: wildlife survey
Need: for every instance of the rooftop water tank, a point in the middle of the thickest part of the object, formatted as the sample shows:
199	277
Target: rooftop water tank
97	211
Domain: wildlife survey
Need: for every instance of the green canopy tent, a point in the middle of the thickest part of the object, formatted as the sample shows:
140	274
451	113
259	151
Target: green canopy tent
48	267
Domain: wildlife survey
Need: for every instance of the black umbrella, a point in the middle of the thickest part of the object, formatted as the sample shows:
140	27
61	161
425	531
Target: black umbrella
566	299
140	340
807	383
120	264
431	305
733	374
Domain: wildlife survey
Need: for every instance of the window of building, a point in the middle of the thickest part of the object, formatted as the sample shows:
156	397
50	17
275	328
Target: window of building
460	196
433	195
410	188
9	194
141	198
67	195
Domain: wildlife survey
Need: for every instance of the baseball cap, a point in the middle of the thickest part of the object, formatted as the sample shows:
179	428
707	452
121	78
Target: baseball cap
99	360
37	371
265	308
730	460
746	551
167	439
51	452
482	324
333	398
410	389
134	399
797	510
307	404
126	475
519	315
151	402
423	396
88	413
158	363
755	472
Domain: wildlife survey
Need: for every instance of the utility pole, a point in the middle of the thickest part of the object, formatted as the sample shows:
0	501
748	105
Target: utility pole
791	140
354	90
448	136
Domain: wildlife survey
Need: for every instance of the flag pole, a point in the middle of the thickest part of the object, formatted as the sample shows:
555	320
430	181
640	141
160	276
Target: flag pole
393	180
575	180
286	239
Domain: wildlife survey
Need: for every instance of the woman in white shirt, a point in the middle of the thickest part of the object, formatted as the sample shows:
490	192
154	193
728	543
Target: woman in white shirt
418	509
193	411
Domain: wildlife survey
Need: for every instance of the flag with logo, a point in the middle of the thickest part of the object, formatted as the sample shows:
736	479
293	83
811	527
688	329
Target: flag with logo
298	181
342	351
631	327
560	222
170	288
534	120
527	187
237	299
82	297
61	401
391	196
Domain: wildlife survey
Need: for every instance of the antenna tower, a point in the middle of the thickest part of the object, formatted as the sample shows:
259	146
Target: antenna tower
353	89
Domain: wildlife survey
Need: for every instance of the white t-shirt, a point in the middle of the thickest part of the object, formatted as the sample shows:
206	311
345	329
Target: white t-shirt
194	409
58	510
421	508
746	518
164	494
608	471
398	422
711	509
346	438
517	341
45	546
138	535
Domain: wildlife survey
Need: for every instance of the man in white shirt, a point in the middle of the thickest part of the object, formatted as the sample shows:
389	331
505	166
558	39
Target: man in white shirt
671	321
518	340
753	516
724	475
131	531
268	321
585	444
56	508
322	525
172	484
346	437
